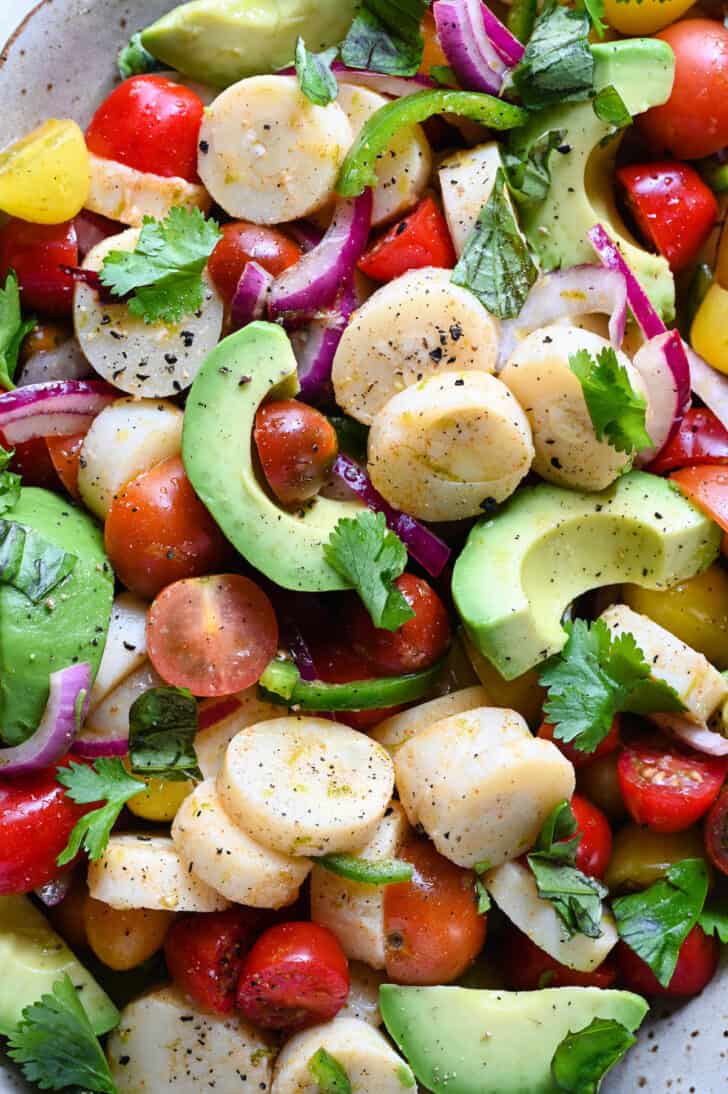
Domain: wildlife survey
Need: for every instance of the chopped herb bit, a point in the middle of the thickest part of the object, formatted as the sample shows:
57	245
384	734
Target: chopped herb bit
315	78
162	728
13	329
386	37
365	552
328	1073
583	1058
29	562
558	65
609	107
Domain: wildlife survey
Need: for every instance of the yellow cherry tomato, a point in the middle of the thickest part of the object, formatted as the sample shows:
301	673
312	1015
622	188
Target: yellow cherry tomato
695	611
641	857
524	694
123	939
161	799
45	176
709	332
643	16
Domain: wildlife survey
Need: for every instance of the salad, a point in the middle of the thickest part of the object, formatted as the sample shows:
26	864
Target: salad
363	593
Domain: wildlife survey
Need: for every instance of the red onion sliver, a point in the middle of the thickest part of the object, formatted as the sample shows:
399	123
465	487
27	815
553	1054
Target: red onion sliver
299	649
638	300
58	726
663	365
55	891
709	385
250	295
698	737
306	235
58	408
93	745
317	347
505	43
476	63
394	86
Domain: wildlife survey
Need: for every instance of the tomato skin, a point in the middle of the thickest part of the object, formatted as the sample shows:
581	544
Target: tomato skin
36	252
716	832
297	447
431	924
696	966
295	975
65	453
701	439
242	243
673	207
694	120
707	487
526	967
420	239
33	463
158	531
417	644
149	123
595	847
205	953
666	787
575	755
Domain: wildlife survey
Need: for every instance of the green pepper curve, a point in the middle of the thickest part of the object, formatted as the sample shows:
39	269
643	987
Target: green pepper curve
281	683
388	871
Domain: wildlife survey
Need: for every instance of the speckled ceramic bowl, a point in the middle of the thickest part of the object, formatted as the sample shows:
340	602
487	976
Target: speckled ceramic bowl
59	61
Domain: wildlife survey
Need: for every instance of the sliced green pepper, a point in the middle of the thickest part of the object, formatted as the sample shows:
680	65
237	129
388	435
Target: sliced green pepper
358	170
521	18
386	871
281	682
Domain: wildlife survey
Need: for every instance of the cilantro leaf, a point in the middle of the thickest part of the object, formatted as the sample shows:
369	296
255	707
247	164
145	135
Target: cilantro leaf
583	1058
365	552
557	65
529	175
108	781
13	329
162	728
134	59
315	78
615	408
496	265
593	678
326	1070
385	36
56	1047
9	481
28	562
656	922
714	919
164	271
609	106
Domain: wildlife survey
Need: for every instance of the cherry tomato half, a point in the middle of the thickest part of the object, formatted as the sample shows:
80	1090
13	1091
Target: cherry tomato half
243	242
296	974
575	755
666	787
422	238
526	967
213	635
205	953
700	439
417	644
151	124
36	252
707	487
595	847
696	965
65	453
716	832
297	447
431	924
33	463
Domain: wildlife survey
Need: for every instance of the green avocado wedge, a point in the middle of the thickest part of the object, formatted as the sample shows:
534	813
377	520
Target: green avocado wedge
476	1041
68	626
520	569
286	545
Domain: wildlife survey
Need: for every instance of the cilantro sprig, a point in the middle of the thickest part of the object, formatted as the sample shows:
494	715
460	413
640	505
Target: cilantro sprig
315	78
617	411
107	781
13	329
162	728
584	1057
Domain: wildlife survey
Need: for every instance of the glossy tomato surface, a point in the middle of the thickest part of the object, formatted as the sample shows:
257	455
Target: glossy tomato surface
595	847
666	787
420	239
65	453
36	253
205	954
243	242
297	447
696	966
417	644
716	832
700	439
526	967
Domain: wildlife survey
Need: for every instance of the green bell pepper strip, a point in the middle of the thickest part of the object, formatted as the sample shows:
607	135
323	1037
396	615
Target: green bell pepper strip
359	168
387	871
521	18
281	683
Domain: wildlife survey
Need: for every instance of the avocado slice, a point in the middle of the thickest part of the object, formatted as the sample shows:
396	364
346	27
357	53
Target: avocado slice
582	178
33	957
520	569
220	41
471	1041
286	545
69	626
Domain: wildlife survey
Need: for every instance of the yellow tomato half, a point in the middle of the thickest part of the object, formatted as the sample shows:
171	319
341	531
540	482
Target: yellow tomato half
643	16
45	176
695	611
161	799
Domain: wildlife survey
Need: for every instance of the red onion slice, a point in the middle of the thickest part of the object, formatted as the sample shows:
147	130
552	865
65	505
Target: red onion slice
397	87
506	44
709	385
312	283
460	28
63	362
637	298
306	235
698	737
317	346
58	408
424	546
250	295
663	365
58	726
55	891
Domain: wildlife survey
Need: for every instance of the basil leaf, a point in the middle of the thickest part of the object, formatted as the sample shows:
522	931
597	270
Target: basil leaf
583	1058
385	37
529	176
557	65
326	1070
9	481
162	728
609	107
30	563
315	78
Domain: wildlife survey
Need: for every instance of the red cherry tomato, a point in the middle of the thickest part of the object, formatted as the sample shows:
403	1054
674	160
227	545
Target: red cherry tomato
700	439
431	924
696	965
36	818
297	447
296	974
716	832
595	847
65	453
694	120
213	635
151	124
674	209
205	954
336	664
526	967
575	755
421	239
707	487
666	787
36	252
242	243
33	463
417	644
158	531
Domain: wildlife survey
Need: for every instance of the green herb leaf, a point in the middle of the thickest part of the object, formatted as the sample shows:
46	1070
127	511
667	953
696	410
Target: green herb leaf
386	871
593	678
9	481
134	59
484	901
164	271
595	10
616	410
529	176
714	919
162	728
108	781
328	1073
496	265
56	1047
583	1058
29	562
558	65
609	107
385	37
365	552
656	922
443	75
522	18
315	78
13	329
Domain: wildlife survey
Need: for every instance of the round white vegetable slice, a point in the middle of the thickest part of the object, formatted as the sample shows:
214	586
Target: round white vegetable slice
221	719
415	326
126	438
370	1062
215	849
109	720
355	912
480	785
393	732
363	999
126	646
466	181
122	193
403	170
267	153
164	1043
444	446
145	359
306	786
141	871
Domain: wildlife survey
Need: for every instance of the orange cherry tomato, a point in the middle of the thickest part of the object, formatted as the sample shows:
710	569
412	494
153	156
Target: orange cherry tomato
575	755
242	243
65	453
297	447
417	644
213	635
433	53
707	486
